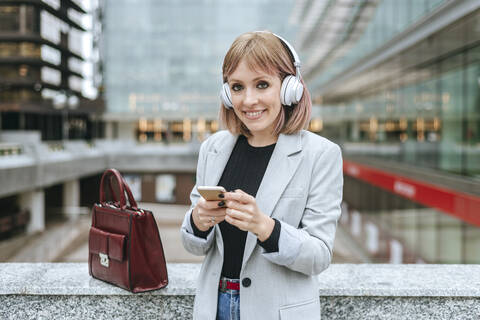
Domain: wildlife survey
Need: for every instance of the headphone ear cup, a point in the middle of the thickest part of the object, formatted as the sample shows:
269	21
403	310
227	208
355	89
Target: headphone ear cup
291	91
226	96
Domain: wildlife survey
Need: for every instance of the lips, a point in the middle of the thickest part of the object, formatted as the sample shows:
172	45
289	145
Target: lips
253	115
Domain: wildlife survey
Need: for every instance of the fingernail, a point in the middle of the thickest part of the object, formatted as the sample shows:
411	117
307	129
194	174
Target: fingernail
221	195
221	203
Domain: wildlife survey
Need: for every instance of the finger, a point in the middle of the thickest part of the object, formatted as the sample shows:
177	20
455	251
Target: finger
212	204
201	202
238	215
239	196
219	212
245	197
240	206
208	205
237	223
219	219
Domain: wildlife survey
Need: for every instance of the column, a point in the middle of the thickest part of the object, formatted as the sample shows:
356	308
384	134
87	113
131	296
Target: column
34	201
71	198
127	130
355	133
109	130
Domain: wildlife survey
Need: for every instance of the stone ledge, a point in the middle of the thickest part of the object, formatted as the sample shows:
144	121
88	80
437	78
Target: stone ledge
405	280
347	291
73	279
401	280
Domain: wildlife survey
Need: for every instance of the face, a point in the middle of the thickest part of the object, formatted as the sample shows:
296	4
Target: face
256	99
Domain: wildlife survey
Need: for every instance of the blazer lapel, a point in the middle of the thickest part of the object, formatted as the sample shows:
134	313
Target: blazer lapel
216	161
282	166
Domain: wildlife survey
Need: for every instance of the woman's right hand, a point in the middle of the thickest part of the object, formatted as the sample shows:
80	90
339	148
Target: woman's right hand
206	213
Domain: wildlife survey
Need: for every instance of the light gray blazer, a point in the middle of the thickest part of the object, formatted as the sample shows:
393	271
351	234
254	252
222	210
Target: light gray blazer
302	188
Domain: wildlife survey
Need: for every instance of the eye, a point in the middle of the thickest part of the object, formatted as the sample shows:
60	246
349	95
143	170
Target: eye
262	85
236	87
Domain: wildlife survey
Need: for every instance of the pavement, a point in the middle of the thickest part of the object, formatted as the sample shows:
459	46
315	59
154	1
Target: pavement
59	237
68	241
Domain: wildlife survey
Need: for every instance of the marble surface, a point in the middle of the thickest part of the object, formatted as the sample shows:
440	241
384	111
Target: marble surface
347	291
401	280
73	279
399	308
38	307
338	280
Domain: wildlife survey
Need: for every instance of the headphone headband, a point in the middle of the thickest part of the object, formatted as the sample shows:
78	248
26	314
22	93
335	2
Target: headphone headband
296	60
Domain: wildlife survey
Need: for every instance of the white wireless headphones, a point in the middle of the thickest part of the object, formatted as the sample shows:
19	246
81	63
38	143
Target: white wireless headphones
292	88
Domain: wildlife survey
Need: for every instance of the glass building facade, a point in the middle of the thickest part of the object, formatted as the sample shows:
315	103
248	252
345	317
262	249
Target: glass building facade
390	19
404	102
163	59
426	101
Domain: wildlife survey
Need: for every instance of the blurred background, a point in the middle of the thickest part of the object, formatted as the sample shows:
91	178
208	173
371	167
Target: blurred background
134	84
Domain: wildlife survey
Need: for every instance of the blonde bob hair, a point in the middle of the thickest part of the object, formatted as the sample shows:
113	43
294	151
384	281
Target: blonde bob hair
264	51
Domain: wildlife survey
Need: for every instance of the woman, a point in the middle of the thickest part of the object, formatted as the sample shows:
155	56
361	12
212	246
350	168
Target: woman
273	232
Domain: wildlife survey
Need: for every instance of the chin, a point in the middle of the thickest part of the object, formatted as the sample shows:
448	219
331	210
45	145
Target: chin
256	128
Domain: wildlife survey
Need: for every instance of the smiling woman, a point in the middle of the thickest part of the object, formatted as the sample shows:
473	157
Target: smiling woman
256	98
259	66
273	231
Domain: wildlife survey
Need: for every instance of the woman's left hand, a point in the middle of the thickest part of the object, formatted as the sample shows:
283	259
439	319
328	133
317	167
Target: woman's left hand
243	212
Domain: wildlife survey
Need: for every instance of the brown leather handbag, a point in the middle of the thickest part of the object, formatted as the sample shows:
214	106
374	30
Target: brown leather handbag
124	245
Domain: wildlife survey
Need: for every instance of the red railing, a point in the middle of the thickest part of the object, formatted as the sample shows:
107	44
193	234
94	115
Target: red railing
461	205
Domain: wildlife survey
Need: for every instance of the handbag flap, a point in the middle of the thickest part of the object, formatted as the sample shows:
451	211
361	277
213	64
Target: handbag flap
111	244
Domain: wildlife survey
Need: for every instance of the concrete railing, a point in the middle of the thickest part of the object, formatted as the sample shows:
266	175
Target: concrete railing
347	291
30	165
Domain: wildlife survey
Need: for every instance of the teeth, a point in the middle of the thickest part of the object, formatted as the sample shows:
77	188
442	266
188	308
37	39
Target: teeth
253	114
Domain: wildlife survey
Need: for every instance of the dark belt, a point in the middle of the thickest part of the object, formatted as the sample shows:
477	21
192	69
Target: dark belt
228	285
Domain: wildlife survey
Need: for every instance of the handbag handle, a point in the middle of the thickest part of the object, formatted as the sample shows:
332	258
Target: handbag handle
131	199
124	188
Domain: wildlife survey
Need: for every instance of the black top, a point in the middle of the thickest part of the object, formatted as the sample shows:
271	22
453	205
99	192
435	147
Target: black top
244	170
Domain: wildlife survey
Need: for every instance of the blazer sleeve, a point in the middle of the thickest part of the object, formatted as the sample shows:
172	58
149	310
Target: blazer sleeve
193	244
308	249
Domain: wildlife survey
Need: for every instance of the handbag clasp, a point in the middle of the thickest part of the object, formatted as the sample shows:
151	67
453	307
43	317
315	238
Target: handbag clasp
103	259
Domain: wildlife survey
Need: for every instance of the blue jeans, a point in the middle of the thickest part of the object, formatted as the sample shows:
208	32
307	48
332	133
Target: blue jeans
228	305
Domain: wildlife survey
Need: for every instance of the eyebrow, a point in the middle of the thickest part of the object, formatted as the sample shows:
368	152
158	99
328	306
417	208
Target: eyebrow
257	78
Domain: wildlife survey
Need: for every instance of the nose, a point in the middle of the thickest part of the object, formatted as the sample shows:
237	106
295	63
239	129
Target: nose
250	98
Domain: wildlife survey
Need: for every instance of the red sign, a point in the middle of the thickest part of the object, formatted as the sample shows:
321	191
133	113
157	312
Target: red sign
461	205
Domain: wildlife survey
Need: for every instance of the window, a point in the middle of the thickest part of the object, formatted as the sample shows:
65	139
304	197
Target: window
23	49
9	18
31	19
29	50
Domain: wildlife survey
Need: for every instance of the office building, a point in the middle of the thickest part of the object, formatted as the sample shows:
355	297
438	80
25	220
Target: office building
42	71
163	62
397	86
45	101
